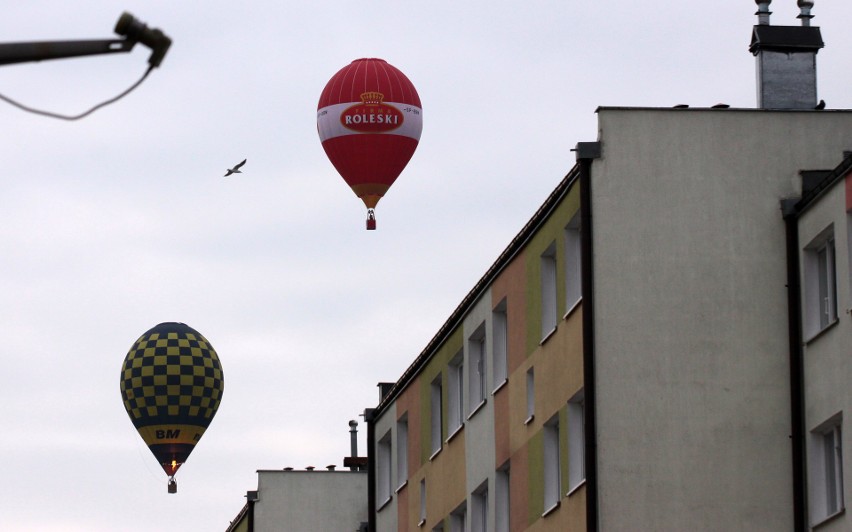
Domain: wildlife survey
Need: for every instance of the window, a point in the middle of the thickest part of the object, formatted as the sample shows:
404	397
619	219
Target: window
827	470
476	372
499	343
436	421
552	466
819	279
479	509
576	441
455	395
530	395
502	500
422	502
402	450
548	291
383	469
573	291
458	518
849	248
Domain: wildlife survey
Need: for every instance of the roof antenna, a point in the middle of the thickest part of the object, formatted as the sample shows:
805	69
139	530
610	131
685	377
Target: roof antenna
805	8
763	12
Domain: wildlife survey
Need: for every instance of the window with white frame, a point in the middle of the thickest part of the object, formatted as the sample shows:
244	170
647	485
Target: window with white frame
422	502
402	450
436	423
576	441
499	343
849	252
458	518
455	394
479	509
383	469
552	466
573	291
826	482
820	284
477	369
548	291
530	395
502	500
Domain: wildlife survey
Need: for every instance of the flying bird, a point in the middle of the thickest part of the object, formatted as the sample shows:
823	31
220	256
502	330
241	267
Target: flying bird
236	169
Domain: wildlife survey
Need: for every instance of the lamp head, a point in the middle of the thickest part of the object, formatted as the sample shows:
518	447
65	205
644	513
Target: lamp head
136	31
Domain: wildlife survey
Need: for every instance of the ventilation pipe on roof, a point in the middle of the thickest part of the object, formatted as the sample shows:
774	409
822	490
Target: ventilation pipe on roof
786	60
353	440
805	15
763	12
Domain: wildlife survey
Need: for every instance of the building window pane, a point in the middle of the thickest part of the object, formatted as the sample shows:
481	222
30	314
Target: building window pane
576	441
402	449
422	501
479	510
458	518
826	471
820	305
436	422
455	395
548	291
477	369
383	469
573	291
502	500
552	467
530	395
499	321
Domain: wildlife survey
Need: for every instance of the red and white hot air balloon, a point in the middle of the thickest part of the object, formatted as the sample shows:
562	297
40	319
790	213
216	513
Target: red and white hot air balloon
369	120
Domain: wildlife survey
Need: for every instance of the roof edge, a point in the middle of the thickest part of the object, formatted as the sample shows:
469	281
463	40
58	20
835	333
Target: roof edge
517	243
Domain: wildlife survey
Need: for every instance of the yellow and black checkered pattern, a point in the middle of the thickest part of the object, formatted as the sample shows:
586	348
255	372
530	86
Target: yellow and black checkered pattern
171	375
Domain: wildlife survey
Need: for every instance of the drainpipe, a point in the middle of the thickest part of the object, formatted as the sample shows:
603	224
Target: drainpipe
369	414
797	396
586	153
251	497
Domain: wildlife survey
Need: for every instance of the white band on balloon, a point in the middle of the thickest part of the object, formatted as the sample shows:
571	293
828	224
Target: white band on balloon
329	126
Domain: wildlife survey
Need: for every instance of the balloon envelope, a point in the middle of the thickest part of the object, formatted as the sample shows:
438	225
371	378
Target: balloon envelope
171	385
369	120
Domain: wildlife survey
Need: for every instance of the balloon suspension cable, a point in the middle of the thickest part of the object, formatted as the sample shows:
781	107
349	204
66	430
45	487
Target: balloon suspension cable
172	484
371	219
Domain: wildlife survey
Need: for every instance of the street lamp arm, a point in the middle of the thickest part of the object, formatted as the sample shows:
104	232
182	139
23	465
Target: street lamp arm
22	52
132	29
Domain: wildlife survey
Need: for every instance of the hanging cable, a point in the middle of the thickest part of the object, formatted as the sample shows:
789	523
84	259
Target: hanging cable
81	115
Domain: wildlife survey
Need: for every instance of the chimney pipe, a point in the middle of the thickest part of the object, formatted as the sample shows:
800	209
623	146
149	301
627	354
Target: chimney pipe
805	14
763	12
353	441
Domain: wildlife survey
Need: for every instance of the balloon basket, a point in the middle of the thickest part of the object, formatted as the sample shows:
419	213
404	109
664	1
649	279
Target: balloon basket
172	485
371	220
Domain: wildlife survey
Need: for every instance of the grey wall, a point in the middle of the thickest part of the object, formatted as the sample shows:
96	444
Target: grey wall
691	312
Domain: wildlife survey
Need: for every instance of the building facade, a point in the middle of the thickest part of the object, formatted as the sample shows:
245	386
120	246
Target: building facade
464	438
627	363
305	501
820	226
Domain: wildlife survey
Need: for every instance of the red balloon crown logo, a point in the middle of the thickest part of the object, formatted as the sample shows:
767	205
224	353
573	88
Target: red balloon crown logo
371	115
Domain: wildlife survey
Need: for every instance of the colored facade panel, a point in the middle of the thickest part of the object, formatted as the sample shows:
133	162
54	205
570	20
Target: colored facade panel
495	434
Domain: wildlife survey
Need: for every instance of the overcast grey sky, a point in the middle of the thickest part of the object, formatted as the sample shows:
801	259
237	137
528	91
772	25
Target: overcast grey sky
122	220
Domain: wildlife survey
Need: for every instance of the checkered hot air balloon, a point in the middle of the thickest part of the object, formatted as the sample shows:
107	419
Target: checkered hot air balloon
369	120
171	385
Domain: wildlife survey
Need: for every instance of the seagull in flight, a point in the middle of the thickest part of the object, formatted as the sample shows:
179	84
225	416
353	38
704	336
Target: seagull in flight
236	169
